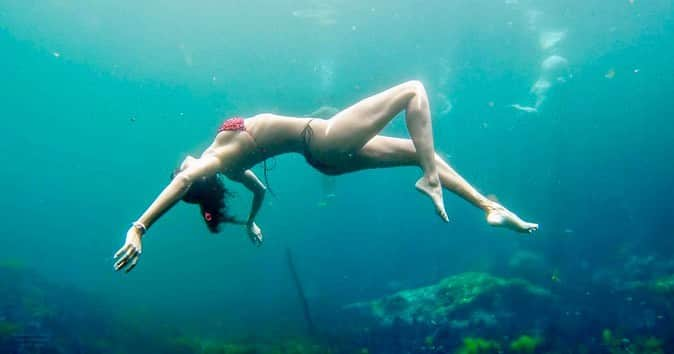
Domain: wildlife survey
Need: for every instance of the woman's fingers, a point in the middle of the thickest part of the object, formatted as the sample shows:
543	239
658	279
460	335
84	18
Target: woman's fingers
128	256
119	264
129	253
255	234
122	250
258	239
133	263
123	263
122	256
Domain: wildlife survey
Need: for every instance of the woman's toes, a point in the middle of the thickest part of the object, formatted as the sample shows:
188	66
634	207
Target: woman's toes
443	215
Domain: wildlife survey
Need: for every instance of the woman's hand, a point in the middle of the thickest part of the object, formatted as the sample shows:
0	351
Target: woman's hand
254	233
131	250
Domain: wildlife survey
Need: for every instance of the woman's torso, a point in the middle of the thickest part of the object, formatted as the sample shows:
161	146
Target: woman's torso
263	136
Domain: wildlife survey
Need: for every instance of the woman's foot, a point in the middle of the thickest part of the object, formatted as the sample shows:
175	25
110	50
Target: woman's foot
499	216
432	188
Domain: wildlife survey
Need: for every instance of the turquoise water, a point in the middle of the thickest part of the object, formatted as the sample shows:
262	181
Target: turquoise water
101	100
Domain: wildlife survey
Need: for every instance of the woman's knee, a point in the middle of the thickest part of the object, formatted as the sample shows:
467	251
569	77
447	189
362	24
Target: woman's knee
416	87
416	91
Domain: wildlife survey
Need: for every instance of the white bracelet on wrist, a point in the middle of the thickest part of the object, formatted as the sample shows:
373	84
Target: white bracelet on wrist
139	225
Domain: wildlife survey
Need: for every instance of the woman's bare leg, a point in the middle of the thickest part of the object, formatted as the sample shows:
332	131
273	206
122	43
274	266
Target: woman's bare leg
382	151
352	128
497	215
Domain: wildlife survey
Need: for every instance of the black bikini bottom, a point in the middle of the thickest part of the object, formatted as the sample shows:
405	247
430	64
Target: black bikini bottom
307	134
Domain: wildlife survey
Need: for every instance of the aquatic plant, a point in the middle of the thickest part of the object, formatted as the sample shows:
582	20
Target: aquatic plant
185	345
664	285
8	329
606	336
213	349
642	345
478	346
428	341
12	264
237	349
525	344
297	345
76	322
216	347
430	346
303	346
650	345
613	344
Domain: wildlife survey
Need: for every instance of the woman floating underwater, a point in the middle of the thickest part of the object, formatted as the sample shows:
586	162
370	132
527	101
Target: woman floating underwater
345	143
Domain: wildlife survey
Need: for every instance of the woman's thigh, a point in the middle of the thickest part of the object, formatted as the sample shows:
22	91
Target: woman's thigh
352	128
383	151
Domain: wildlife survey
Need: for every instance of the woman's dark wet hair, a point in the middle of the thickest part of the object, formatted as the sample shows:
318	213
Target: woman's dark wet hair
211	196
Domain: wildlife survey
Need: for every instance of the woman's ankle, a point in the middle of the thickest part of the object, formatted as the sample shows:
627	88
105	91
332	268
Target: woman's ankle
490	205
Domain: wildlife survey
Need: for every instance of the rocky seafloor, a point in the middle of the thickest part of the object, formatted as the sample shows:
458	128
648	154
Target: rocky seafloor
609	311
613	310
41	317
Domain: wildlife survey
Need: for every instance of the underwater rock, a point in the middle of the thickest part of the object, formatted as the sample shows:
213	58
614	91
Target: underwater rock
460	301
447	316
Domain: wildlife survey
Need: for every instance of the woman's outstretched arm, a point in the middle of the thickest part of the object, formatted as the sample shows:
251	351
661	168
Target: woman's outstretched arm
250	180
130	252
198	168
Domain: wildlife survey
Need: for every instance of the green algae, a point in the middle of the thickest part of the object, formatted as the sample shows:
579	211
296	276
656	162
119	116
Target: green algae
295	345
664	285
478	346
641	345
8	329
525	344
